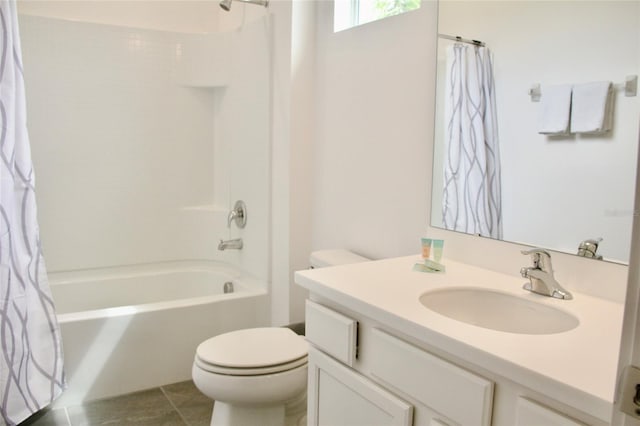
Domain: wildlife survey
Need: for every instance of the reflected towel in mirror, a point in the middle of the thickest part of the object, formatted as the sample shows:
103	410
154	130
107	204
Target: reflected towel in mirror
555	109
592	107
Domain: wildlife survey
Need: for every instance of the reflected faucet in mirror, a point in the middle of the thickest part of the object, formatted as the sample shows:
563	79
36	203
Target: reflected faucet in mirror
588	248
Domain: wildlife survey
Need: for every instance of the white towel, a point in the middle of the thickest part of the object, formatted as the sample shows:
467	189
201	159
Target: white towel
555	109
592	107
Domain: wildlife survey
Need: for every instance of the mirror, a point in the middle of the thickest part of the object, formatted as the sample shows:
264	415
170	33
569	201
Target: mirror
556	190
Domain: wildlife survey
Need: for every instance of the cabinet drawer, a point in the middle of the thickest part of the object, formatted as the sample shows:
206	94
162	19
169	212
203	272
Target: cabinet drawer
332	332
455	393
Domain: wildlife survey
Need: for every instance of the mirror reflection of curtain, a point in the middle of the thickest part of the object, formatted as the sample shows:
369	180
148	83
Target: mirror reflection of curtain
472	201
31	373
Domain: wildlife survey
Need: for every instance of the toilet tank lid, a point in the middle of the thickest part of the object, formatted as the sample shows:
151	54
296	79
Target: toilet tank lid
322	258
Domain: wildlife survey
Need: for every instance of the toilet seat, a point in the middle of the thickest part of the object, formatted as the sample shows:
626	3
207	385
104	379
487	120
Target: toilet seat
251	352
272	369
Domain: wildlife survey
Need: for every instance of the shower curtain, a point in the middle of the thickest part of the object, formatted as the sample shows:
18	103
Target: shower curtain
31	374
472	197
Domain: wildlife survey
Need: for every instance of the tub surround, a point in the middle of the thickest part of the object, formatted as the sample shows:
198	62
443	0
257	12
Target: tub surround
185	111
576	368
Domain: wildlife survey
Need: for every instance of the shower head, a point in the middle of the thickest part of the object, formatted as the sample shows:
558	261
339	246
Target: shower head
226	4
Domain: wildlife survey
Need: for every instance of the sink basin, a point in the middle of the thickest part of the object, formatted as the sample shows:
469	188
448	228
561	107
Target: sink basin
498	311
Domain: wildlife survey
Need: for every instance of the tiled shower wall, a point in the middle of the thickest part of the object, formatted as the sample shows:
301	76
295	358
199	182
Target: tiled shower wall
119	147
134	162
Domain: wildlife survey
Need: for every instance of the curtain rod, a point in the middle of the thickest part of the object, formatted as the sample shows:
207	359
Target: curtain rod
462	40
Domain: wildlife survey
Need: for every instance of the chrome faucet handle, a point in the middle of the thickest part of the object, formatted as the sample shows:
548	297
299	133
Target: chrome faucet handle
238	214
540	257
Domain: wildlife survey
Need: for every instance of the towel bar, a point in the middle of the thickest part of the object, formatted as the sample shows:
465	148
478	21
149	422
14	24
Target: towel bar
630	85
630	88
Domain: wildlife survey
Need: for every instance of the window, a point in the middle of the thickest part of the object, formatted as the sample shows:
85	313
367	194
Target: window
350	13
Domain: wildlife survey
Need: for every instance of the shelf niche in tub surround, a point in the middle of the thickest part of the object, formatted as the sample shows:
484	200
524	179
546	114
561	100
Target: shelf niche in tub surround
576	368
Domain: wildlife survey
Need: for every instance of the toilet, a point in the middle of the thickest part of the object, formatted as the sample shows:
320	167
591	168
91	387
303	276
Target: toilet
258	376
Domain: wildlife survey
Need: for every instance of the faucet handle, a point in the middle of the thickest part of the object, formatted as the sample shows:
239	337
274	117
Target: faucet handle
238	215
541	258
535	250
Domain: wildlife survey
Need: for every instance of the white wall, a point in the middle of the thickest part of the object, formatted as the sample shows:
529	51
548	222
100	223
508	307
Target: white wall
330	186
292	134
558	191
303	131
372	153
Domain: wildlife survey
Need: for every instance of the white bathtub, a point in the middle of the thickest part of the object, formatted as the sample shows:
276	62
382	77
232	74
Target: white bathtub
131	328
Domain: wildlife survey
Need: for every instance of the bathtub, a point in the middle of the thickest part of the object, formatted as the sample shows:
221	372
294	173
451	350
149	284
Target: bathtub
137	327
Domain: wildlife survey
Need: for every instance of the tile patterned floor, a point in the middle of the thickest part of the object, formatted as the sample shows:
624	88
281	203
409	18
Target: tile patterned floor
178	404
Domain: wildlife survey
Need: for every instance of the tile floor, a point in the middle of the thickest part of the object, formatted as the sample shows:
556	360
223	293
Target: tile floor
178	404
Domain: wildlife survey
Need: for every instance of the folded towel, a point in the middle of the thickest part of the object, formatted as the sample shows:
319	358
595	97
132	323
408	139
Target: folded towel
592	107
555	109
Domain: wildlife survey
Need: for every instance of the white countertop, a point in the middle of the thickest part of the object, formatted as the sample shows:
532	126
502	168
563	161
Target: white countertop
577	367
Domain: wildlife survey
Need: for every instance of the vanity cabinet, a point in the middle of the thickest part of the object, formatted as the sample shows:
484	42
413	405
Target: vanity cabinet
529	413
366	324
375	378
363	374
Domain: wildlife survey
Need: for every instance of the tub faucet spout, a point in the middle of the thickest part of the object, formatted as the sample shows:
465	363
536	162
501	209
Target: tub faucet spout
235	244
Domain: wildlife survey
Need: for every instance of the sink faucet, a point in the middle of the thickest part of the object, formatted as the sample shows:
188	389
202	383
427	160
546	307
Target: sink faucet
540	275
235	244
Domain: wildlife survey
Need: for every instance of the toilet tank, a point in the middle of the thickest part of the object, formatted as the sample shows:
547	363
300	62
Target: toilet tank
322	258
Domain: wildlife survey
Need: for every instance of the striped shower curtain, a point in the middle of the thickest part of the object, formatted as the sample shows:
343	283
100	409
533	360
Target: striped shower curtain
31	374
471	198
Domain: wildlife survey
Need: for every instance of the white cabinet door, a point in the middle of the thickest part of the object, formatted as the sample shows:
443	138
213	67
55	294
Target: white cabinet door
338	396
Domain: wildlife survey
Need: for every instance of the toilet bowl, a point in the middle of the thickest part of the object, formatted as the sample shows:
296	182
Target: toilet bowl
258	376
254	375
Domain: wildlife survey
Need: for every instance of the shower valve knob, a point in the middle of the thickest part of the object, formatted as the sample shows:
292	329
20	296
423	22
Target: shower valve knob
238	215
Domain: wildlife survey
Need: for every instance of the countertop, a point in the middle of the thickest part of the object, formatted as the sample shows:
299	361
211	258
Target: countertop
577	367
